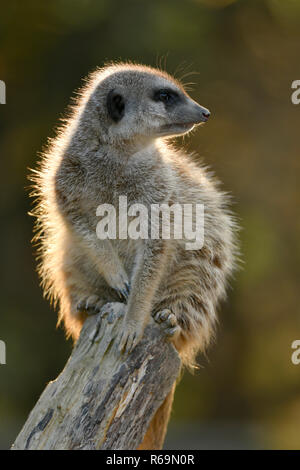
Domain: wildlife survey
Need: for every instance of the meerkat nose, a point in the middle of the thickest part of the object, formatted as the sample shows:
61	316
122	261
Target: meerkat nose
205	113
202	113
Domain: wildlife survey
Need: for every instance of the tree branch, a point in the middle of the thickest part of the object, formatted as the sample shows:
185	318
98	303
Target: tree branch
102	400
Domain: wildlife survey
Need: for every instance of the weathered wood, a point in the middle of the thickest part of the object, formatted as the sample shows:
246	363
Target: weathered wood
102	400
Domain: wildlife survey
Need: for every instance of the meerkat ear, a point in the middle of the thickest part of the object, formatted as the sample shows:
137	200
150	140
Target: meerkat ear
115	105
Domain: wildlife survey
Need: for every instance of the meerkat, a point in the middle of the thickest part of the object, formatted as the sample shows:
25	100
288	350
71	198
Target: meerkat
116	142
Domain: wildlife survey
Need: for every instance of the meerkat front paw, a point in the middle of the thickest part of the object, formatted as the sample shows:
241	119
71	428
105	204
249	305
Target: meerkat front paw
168	323
120	283
112	311
90	305
129	337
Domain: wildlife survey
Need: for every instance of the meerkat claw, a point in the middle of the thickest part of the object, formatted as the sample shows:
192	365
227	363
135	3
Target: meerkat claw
90	305
124	292
131	342
108	312
120	343
127	288
127	341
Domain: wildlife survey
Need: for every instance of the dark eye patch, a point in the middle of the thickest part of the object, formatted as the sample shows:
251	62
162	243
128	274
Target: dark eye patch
166	96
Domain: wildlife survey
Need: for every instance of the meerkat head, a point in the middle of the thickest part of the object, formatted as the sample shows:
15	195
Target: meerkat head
133	101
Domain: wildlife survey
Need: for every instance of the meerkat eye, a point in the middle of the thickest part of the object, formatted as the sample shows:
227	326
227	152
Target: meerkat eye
164	96
167	96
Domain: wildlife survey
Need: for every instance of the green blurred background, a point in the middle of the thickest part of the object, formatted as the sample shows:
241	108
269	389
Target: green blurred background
245	53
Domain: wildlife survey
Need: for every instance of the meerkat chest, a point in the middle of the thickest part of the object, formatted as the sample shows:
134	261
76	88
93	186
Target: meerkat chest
136	185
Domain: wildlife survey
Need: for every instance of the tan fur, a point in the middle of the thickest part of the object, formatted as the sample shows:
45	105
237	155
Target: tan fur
92	161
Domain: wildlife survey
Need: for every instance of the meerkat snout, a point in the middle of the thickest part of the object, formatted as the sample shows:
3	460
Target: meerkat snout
200	113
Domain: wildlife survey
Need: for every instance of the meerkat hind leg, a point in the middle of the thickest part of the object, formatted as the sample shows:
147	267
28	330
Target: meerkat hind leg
168	323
